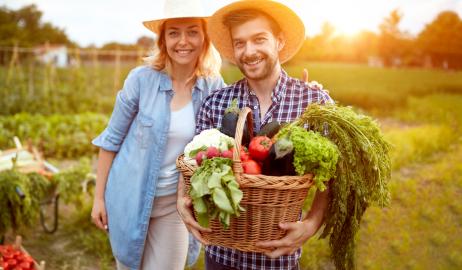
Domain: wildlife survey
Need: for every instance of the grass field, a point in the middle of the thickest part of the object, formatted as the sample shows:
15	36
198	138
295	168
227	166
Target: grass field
421	115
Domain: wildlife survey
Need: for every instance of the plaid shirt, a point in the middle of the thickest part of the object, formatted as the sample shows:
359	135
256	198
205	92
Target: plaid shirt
290	97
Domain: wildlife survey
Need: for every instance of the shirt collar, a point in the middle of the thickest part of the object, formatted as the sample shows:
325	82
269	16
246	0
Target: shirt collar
278	90
166	83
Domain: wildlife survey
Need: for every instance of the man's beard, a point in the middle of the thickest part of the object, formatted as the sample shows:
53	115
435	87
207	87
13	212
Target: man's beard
269	64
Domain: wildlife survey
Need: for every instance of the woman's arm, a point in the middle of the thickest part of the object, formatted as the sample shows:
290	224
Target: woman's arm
98	212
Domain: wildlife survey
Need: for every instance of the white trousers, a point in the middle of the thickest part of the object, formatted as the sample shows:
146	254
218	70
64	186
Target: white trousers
166	245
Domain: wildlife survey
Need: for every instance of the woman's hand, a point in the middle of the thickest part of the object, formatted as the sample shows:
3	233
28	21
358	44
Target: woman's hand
98	214
184	208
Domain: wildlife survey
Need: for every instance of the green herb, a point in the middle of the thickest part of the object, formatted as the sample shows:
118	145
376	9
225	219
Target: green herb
215	192
313	153
363	171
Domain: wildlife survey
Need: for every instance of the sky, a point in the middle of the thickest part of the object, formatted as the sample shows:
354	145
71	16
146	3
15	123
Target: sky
96	22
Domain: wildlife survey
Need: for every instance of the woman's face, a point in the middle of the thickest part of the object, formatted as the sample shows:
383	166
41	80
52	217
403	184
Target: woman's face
184	40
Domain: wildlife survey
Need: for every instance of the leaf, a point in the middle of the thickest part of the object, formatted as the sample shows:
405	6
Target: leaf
199	205
222	201
203	220
283	147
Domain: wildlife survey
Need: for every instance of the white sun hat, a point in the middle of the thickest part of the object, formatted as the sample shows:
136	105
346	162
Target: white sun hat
290	23
177	9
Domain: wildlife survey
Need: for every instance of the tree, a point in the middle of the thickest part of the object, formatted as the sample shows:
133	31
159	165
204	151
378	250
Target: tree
144	42
442	40
24	27
393	43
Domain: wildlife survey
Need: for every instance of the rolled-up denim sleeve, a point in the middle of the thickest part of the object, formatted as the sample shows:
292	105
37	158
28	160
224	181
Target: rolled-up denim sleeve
125	109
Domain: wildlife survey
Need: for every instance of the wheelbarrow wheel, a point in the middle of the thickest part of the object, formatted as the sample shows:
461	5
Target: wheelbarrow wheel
49	210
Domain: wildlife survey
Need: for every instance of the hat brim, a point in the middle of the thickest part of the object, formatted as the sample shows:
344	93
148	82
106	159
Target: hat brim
154	25
291	25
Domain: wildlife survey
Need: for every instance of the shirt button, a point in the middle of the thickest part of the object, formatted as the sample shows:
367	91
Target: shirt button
255	107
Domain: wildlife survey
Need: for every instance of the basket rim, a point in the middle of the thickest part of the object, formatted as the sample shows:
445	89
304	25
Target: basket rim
259	180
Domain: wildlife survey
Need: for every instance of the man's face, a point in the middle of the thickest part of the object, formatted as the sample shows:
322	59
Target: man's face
256	48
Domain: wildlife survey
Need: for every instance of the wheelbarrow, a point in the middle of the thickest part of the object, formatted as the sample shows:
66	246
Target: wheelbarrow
29	160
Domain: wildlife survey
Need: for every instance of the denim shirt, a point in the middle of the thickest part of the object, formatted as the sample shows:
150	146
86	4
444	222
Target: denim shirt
137	131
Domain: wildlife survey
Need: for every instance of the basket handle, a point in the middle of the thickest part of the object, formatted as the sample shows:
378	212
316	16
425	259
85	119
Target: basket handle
245	113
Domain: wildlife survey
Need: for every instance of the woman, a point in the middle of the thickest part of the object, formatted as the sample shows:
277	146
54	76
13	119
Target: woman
152	121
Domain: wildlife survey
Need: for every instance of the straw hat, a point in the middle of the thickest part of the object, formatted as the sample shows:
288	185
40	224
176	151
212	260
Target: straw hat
291	25
176	9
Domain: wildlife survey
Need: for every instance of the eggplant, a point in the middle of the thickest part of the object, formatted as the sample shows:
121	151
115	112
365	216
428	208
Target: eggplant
229	123
280	160
269	129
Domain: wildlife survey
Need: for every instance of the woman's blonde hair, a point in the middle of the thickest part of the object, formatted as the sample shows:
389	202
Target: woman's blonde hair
208	64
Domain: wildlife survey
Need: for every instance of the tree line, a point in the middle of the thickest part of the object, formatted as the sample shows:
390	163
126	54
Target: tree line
439	44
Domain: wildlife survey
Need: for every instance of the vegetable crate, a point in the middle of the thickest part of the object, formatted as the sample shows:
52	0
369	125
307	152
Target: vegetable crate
268	200
16	257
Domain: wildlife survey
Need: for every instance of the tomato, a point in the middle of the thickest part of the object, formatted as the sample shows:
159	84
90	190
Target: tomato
259	147
12	262
8	255
25	265
5	265
251	167
244	153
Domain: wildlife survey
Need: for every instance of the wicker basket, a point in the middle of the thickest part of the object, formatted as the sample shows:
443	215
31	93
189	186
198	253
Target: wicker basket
267	200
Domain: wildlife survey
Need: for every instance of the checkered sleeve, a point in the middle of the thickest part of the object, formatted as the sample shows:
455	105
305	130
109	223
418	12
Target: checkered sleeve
204	116
325	98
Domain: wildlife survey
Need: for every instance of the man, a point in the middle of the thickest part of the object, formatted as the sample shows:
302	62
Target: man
258	36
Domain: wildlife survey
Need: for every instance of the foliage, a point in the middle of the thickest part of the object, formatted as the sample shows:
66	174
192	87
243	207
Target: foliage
378	90
422	227
90	239
20	195
24	26
362	175
442	39
392	42
416	143
47	90
59	136
313	153
215	191
70	183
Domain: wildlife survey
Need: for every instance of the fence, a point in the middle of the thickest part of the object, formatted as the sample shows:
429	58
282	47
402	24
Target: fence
56	79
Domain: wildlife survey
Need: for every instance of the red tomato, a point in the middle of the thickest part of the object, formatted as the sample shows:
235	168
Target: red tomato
244	153
12	262
5	265
251	167
25	265
8	255
259	147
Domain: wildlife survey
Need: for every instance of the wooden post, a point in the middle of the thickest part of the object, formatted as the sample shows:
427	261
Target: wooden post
95	58
140	56
13	62
117	70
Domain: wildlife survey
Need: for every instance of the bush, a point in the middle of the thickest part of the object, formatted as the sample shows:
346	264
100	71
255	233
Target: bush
58	136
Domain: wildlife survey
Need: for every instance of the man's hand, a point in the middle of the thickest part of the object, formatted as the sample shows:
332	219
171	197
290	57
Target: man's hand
184	207
297	234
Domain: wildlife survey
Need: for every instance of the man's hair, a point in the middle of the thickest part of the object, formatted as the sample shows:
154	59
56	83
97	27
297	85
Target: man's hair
208	64
238	17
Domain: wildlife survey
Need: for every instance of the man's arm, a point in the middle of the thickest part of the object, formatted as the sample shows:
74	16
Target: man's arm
299	232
